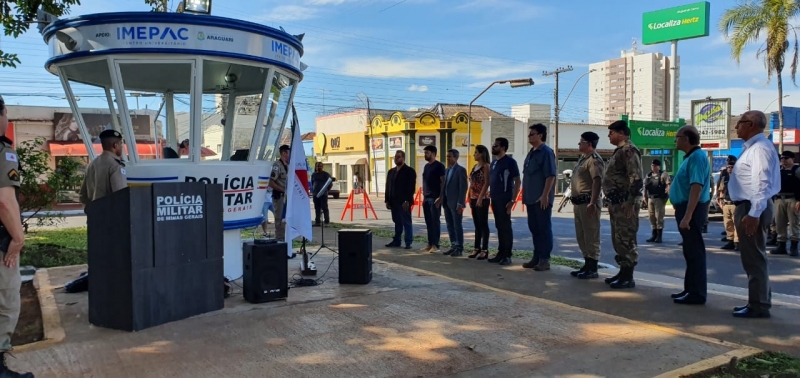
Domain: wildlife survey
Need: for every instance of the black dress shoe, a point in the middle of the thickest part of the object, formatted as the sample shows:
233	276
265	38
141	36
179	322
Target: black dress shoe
678	295
505	261
390	245
495	259
690	299
740	308
750	312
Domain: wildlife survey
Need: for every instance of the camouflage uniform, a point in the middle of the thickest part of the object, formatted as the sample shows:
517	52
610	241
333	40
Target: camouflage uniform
622	185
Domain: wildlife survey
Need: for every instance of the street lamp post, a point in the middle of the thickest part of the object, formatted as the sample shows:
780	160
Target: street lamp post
515	83
558	113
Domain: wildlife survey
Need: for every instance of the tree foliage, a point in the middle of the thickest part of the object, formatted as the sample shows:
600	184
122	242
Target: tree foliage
41	185
17	16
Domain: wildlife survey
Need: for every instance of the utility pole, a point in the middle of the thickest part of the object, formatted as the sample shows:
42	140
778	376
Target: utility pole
323	98
557	72
748	102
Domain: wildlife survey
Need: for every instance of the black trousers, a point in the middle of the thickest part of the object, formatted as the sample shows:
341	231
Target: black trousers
505	235
694	249
480	216
321	206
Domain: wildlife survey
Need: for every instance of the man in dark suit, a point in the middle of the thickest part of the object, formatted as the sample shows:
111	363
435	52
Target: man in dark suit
453	197
401	182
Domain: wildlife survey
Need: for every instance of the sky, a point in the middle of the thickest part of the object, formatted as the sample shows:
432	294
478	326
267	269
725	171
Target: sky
405	54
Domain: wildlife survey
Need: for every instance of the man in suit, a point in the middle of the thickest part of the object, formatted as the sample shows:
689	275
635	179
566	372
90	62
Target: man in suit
401	182
453	197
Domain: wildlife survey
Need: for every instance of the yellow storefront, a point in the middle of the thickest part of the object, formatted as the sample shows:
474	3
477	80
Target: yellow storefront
387	136
344	156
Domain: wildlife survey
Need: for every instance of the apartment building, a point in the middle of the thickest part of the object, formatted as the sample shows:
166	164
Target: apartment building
636	84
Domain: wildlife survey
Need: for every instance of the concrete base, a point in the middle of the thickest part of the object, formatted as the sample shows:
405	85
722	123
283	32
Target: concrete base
232	254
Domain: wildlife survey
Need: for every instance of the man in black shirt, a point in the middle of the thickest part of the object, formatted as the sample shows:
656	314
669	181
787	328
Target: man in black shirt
432	183
726	205
318	180
787	206
401	181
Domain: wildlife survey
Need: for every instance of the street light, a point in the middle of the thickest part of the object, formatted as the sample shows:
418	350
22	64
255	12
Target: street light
773	101
558	112
514	83
195	6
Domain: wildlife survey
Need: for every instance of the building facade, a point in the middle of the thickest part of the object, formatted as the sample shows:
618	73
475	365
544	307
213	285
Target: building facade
636	84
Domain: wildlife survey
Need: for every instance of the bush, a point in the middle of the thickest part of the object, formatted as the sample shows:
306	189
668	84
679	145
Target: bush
41	184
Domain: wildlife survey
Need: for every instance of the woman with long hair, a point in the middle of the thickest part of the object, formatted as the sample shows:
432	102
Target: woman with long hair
479	202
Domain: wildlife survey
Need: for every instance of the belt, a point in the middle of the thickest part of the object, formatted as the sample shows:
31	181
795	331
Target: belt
737	203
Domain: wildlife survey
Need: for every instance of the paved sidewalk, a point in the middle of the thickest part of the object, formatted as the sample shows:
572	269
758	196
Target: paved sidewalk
422	316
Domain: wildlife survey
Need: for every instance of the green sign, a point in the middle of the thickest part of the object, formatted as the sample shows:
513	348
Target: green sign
654	134
672	24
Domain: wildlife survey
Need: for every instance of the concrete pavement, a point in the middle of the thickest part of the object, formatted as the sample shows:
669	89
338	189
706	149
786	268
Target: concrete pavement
423	315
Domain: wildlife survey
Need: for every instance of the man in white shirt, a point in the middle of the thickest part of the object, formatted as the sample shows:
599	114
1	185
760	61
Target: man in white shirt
755	179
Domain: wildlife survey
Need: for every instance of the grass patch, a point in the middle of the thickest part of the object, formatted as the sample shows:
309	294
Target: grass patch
468	247
49	248
767	364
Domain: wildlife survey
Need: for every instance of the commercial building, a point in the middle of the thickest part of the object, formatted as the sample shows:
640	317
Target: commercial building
635	84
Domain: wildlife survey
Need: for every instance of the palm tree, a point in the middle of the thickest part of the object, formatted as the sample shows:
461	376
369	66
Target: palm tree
747	22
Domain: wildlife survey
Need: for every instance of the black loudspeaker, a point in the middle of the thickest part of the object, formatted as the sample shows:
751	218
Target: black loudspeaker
266	274
355	256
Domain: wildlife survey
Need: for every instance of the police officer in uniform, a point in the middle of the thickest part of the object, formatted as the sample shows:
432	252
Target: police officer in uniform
11	242
277	181
106	173
726	205
622	186
787	205
656	194
587	178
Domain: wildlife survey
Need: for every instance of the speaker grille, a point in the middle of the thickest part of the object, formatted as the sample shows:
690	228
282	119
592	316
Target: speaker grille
265	272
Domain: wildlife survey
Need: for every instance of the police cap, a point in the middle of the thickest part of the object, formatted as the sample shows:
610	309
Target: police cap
620	126
285	147
731	160
788	154
657	162
110	134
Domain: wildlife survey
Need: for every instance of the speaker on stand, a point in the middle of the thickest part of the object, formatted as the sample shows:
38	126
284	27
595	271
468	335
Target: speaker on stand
266	272
355	256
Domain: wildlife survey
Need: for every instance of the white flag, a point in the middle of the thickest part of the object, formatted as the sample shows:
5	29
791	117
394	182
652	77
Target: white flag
298	203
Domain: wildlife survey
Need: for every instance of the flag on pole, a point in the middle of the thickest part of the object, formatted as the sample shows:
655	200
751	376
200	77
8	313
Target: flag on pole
298	204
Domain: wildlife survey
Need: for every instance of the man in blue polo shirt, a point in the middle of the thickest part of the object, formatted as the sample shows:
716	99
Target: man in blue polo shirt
689	195
504	185
538	194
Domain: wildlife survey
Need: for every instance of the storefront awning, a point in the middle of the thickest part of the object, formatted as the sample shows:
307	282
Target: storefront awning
79	149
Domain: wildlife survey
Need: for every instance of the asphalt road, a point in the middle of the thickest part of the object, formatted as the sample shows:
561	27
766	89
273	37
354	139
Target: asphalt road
724	267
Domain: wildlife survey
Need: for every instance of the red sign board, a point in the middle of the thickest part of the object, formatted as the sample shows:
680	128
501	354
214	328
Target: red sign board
709	145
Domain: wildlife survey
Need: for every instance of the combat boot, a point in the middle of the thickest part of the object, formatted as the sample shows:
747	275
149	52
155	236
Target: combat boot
575	273
793	248
591	270
625	280
609	280
781	250
652	236
5	372
659	234
773	239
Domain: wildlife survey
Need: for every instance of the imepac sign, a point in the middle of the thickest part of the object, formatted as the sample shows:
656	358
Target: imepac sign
672	24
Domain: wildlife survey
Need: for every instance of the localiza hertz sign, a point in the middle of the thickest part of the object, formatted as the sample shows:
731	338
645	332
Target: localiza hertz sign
183	207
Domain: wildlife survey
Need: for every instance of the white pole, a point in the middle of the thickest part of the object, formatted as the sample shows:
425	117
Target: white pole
673	95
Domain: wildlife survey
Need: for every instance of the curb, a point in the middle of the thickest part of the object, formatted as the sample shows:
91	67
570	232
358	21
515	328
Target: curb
710	364
51	320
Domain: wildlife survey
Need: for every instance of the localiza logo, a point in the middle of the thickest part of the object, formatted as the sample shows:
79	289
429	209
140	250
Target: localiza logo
710	113
152	33
651	132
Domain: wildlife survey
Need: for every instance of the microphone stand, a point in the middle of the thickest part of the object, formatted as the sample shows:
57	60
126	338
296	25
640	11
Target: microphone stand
323	192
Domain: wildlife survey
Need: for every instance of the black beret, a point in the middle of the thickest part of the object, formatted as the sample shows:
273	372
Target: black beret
110	134
657	162
731	159
618	126
788	154
285	147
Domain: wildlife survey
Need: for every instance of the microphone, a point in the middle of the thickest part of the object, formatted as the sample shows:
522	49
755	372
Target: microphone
322	192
